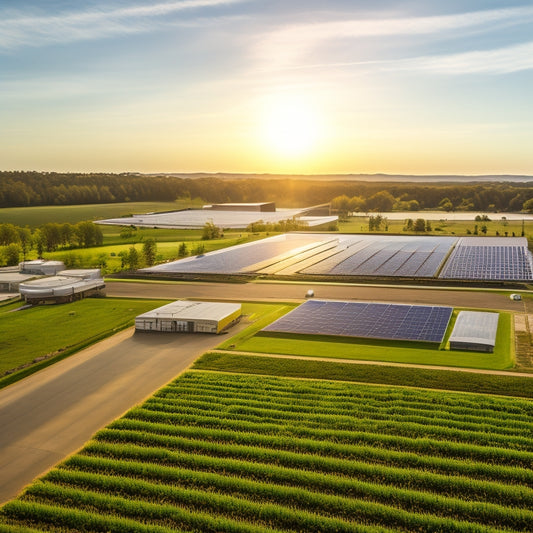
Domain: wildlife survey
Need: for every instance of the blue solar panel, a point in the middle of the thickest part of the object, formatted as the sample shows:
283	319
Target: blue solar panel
368	320
494	261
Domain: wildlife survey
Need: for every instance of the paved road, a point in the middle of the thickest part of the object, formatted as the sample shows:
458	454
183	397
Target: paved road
52	413
283	291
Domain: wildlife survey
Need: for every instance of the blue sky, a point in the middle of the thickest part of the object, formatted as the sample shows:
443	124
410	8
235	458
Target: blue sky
249	86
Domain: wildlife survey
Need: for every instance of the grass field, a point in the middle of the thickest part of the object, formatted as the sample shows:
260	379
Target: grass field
226	453
35	216
31	334
443	227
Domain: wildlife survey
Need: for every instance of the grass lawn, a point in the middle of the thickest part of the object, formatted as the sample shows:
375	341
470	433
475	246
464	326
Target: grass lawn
377	350
443	227
58	329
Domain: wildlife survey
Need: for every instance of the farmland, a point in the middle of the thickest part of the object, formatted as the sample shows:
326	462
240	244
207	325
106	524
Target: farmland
222	452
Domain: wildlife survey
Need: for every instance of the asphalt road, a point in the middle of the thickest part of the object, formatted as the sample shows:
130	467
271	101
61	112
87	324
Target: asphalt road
285	291
52	413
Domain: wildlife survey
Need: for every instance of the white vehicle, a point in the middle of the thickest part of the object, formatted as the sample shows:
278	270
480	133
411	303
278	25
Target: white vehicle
515	296
310	293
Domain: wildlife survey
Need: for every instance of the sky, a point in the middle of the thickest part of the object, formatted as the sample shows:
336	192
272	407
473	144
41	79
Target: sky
278	86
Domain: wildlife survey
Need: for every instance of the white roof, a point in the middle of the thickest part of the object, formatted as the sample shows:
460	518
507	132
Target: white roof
197	218
475	327
188	310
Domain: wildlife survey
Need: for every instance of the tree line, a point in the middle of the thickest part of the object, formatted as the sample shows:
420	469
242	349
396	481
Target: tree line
18	241
22	188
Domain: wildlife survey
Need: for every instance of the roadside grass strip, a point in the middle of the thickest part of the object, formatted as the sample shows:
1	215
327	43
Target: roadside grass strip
220	452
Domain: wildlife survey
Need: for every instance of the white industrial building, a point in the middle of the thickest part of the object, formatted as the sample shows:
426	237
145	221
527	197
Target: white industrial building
41	267
68	286
475	331
190	317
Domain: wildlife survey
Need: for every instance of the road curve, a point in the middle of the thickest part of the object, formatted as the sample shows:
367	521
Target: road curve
287	291
52	413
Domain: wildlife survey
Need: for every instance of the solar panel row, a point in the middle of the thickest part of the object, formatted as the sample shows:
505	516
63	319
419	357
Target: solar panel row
489	263
368	320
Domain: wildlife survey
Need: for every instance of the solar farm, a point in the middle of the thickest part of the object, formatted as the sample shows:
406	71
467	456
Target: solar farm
366	320
365	256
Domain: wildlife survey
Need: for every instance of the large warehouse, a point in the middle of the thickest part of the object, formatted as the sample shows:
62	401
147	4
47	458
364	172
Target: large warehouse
190	317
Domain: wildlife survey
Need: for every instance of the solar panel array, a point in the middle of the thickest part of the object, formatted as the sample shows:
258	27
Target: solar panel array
497	260
481	258
394	256
237	259
367	320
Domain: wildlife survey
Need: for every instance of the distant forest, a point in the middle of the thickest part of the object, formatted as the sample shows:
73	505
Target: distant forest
18	189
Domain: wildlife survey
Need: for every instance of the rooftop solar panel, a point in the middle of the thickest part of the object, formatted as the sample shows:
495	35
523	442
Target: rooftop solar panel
367	320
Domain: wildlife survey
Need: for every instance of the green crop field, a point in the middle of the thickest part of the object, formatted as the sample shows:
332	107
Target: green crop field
216	452
59	330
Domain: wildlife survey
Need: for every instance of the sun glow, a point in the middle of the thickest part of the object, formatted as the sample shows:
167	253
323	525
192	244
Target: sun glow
291	127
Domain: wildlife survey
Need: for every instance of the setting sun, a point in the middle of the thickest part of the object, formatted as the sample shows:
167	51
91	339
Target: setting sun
291	127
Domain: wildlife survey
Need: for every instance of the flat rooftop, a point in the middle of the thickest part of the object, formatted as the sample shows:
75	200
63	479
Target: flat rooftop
187	310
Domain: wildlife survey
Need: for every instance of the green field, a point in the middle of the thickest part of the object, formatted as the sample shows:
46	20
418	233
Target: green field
226	453
59	330
443	227
35	216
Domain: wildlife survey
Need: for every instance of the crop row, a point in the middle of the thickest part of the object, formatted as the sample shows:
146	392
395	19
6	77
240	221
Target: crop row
350	412
368	454
350	406
288	469
375	437
318	390
387	426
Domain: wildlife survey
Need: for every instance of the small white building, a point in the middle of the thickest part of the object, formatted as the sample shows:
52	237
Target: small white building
190	317
61	289
41	267
475	331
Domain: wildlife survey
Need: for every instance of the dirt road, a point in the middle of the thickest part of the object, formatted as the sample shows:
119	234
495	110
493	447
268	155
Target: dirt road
286	291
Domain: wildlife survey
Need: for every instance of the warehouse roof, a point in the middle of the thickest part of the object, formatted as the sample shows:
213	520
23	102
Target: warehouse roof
187	310
474	327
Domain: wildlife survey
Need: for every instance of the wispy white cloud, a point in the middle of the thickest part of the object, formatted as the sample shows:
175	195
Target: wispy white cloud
292	46
18	30
497	61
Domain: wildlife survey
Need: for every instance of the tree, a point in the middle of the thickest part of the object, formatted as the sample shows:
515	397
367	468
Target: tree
408	225
133	258
342	205
149	251
446	204
25	241
528	205
381	201
211	231
182	250
12	254
419	225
